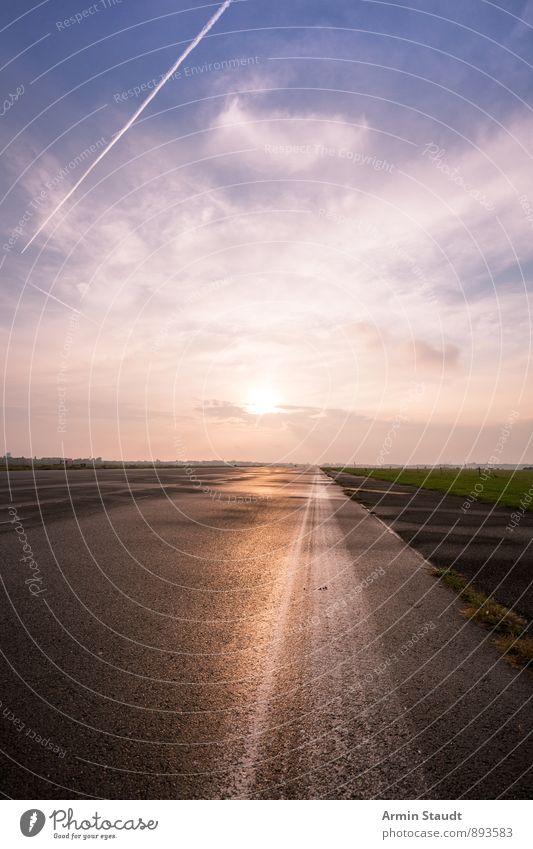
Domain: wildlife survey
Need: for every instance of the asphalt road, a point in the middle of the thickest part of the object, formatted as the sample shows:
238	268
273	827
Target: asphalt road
249	633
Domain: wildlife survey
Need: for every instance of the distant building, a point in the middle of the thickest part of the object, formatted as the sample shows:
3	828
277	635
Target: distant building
15	461
87	461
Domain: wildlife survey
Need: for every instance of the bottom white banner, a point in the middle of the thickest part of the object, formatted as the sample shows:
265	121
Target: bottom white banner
244	824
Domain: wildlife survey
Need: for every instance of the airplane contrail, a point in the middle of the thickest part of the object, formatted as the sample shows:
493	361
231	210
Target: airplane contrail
194	43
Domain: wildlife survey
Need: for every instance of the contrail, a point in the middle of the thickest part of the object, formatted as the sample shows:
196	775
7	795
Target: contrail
194	43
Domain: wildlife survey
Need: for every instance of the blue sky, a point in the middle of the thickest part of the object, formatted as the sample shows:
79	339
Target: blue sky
322	228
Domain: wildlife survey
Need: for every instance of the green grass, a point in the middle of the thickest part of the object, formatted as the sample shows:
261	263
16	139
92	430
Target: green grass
491	486
509	628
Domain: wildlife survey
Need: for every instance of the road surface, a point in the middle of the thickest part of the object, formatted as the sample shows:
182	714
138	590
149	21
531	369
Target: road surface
238	633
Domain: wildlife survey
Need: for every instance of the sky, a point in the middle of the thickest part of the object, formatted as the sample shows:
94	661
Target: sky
314	245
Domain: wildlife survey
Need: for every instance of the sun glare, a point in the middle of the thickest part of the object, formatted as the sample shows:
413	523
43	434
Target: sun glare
261	401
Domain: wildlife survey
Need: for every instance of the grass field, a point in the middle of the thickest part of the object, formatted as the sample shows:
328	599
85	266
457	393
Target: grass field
491	486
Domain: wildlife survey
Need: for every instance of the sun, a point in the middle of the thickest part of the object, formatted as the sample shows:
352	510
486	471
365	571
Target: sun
262	400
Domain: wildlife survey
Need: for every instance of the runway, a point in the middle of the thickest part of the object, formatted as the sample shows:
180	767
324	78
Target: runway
239	633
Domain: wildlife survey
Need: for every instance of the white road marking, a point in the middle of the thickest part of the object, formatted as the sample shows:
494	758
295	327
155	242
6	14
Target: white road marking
266	688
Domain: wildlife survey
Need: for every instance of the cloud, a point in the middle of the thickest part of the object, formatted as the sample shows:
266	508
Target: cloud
340	282
426	354
224	410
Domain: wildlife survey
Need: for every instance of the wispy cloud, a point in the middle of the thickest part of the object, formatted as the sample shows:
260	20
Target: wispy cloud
311	244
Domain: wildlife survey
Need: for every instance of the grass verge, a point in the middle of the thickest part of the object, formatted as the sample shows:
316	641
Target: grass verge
509	629
507	487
